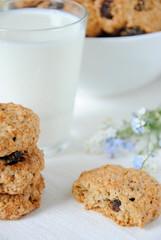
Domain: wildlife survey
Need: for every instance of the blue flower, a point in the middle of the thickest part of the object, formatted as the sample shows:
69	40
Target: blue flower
130	146
138	161
152	154
113	144
110	147
118	142
137	124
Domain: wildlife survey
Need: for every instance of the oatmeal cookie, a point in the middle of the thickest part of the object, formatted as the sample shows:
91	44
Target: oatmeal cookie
27	3
128	196
51	5
15	175
144	15
129	17
93	26
19	128
13	207
111	15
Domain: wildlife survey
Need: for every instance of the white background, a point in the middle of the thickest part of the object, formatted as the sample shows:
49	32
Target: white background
60	217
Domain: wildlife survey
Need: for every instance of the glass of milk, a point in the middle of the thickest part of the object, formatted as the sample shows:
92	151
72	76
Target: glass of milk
40	58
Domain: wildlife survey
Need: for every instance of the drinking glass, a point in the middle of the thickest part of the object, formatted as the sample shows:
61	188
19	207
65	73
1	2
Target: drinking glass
41	47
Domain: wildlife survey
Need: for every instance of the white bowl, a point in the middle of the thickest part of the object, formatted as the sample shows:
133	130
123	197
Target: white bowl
117	64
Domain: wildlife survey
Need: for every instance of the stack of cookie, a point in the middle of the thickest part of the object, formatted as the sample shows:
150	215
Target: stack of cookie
21	161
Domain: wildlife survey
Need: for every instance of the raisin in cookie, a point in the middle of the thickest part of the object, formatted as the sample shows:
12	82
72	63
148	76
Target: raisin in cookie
111	15
51	5
19	128
18	170
129	17
128	196
13	207
144	15
93	26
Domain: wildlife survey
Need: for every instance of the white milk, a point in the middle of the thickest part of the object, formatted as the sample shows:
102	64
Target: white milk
40	69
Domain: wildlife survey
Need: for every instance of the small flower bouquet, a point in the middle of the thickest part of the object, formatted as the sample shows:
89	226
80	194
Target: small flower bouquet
141	135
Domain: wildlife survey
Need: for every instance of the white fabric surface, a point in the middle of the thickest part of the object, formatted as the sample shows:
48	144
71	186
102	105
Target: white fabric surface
60	217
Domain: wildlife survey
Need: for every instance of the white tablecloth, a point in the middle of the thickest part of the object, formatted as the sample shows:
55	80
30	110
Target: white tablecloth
60	217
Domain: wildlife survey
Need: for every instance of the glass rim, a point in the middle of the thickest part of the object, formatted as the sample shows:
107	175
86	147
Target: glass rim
83	18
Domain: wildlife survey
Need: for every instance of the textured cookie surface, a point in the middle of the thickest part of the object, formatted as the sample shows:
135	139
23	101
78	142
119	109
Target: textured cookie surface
51	5
93	25
13	207
129	17
111	15
144	15
19	128
27	3
15	177
128	196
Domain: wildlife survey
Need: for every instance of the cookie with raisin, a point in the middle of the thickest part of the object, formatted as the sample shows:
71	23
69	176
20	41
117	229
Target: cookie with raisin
19	128
144	15
27	3
18	169
129	17
51	5
93	25
111	15
13	207
131	197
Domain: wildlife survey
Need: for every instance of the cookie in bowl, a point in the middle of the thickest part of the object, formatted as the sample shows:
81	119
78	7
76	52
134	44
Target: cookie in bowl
144	15
126	18
111	15
93	26
27	3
